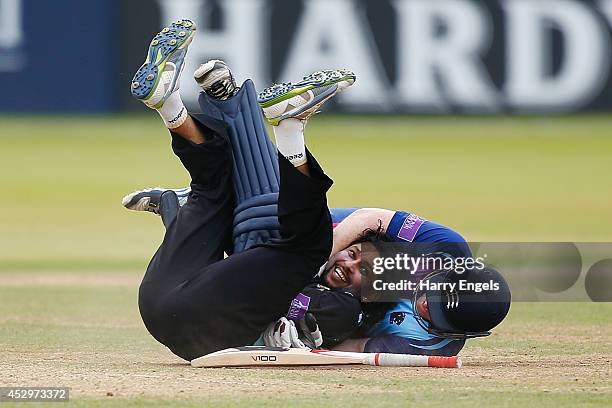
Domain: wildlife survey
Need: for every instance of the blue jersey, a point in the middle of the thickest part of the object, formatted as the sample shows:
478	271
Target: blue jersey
398	331
407	227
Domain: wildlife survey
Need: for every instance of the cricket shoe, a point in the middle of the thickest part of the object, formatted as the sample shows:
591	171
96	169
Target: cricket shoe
159	76
303	99
216	79
150	198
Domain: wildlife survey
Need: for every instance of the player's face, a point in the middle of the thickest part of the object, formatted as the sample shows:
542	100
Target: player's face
422	308
344	270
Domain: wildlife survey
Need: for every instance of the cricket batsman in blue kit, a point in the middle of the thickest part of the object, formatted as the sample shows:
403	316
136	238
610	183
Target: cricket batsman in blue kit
327	311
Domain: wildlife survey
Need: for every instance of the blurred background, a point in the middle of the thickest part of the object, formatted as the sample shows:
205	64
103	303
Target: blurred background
412	56
489	116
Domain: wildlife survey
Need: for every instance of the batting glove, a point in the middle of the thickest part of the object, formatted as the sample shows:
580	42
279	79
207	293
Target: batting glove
310	334
282	333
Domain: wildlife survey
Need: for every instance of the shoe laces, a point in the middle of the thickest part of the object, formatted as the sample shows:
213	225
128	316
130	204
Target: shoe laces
223	89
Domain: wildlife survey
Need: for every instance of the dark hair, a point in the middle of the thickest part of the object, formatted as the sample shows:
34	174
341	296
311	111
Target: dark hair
372	236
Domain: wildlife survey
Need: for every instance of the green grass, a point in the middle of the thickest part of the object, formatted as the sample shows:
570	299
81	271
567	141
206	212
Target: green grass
496	179
71	256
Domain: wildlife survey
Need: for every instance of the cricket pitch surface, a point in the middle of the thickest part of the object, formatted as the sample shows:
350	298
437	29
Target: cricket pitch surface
83	332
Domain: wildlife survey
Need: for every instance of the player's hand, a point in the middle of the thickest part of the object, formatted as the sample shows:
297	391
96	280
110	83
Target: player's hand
310	334
282	333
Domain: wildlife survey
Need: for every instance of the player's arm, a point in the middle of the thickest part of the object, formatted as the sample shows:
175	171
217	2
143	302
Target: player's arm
329	317
353	226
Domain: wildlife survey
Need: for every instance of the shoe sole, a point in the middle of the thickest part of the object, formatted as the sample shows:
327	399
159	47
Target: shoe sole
273	95
175	37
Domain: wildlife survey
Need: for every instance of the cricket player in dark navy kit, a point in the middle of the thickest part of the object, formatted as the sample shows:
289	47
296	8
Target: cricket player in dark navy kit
194	302
191	299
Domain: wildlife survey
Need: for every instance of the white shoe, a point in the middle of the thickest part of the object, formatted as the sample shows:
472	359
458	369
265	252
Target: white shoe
216	79
303	99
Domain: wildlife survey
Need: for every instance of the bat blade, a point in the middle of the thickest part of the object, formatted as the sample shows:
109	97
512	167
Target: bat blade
277	356
269	356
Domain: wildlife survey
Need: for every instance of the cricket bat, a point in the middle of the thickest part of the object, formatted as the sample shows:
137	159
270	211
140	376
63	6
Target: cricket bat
279	356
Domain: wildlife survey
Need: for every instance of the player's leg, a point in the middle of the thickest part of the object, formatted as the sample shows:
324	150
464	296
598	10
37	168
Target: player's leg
255	167
257	286
157	81
201	147
148	200
216	79
202	228
201	231
255	180
229	303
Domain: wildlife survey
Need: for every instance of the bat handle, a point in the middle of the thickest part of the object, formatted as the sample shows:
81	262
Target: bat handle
407	360
444	362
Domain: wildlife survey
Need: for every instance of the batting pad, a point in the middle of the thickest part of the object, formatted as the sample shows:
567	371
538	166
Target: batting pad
256	175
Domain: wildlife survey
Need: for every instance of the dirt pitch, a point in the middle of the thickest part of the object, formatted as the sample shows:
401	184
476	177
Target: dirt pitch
83	331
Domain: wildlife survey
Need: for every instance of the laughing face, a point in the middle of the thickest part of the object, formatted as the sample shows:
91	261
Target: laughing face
344	270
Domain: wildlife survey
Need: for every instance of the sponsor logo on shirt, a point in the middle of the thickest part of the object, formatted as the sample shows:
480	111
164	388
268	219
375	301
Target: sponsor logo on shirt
411	226
299	307
397	318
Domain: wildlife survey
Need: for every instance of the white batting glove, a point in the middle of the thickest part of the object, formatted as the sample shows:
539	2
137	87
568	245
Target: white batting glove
282	333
